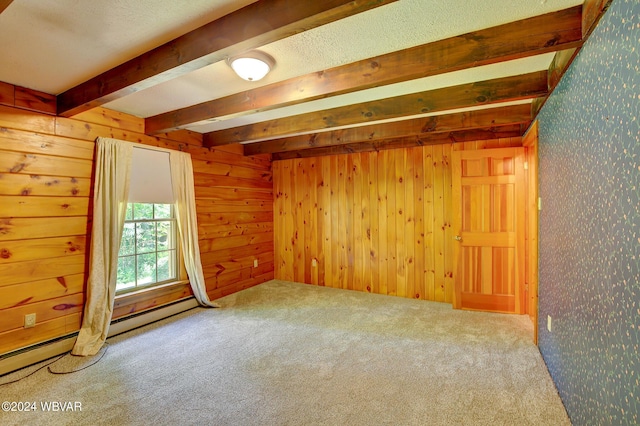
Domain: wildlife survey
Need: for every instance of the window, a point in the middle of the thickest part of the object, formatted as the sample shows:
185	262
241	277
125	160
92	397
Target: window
148	253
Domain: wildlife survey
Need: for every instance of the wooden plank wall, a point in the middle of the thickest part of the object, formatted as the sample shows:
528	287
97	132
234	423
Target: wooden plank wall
378	222
234	200
46	166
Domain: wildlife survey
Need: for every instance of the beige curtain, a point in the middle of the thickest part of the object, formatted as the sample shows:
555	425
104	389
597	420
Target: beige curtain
183	192
111	188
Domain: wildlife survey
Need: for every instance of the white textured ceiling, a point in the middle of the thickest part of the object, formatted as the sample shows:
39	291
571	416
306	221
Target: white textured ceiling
53	45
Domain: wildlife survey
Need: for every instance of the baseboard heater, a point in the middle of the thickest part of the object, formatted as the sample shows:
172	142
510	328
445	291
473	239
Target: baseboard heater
33	354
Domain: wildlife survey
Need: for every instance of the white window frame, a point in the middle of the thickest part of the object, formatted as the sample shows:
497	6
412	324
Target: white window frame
175	252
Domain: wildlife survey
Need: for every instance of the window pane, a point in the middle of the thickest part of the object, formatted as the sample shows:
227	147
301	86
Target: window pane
126	273
129	214
166	265
162	211
165	235
142	211
148	249
146	268
146	237
128	242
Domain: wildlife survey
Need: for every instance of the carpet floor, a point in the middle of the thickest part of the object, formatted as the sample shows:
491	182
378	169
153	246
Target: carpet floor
292	354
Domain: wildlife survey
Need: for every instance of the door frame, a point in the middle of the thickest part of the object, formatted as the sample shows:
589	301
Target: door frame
530	143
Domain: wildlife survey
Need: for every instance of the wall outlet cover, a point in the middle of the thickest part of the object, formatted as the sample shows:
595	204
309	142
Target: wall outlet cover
29	320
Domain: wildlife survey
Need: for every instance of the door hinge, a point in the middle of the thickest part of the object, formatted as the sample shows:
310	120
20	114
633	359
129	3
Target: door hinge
526	165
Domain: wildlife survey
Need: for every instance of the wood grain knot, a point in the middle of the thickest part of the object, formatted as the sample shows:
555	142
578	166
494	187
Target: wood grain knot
62	281
17	168
64	306
553	41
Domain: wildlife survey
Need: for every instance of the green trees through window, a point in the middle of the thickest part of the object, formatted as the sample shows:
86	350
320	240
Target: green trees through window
148	251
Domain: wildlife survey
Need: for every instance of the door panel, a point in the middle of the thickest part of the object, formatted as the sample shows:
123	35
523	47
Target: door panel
488	203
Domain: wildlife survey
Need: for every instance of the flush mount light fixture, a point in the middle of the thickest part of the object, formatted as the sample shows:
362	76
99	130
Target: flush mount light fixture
252	65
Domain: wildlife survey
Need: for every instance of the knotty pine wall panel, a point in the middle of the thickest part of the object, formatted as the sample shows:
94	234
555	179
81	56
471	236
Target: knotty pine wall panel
234	202
378	222
44	208
46	166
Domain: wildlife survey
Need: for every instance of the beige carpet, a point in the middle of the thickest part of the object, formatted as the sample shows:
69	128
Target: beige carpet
292	354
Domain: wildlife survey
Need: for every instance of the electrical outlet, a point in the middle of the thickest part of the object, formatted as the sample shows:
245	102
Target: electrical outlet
29	320
549	323
255	263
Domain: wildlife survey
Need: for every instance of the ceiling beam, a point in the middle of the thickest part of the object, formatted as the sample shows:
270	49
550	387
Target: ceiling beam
514	130
592	11
527	37
271	20
536	105
4	4
488	117
559	66
479	93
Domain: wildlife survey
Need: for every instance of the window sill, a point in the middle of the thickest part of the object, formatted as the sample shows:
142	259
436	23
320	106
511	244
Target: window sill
149	289
151	297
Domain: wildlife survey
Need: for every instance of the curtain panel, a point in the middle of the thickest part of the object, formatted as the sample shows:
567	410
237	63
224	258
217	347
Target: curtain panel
111	191
185	208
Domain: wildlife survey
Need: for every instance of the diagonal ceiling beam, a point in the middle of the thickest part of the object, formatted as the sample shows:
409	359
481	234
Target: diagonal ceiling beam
541	34
592	11
489	117
513	130
557	68
272	20
487	92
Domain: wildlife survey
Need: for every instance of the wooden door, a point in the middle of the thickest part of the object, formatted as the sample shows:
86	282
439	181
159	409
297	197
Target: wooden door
489	226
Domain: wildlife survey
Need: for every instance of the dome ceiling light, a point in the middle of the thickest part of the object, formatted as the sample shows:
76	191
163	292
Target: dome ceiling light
252	65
